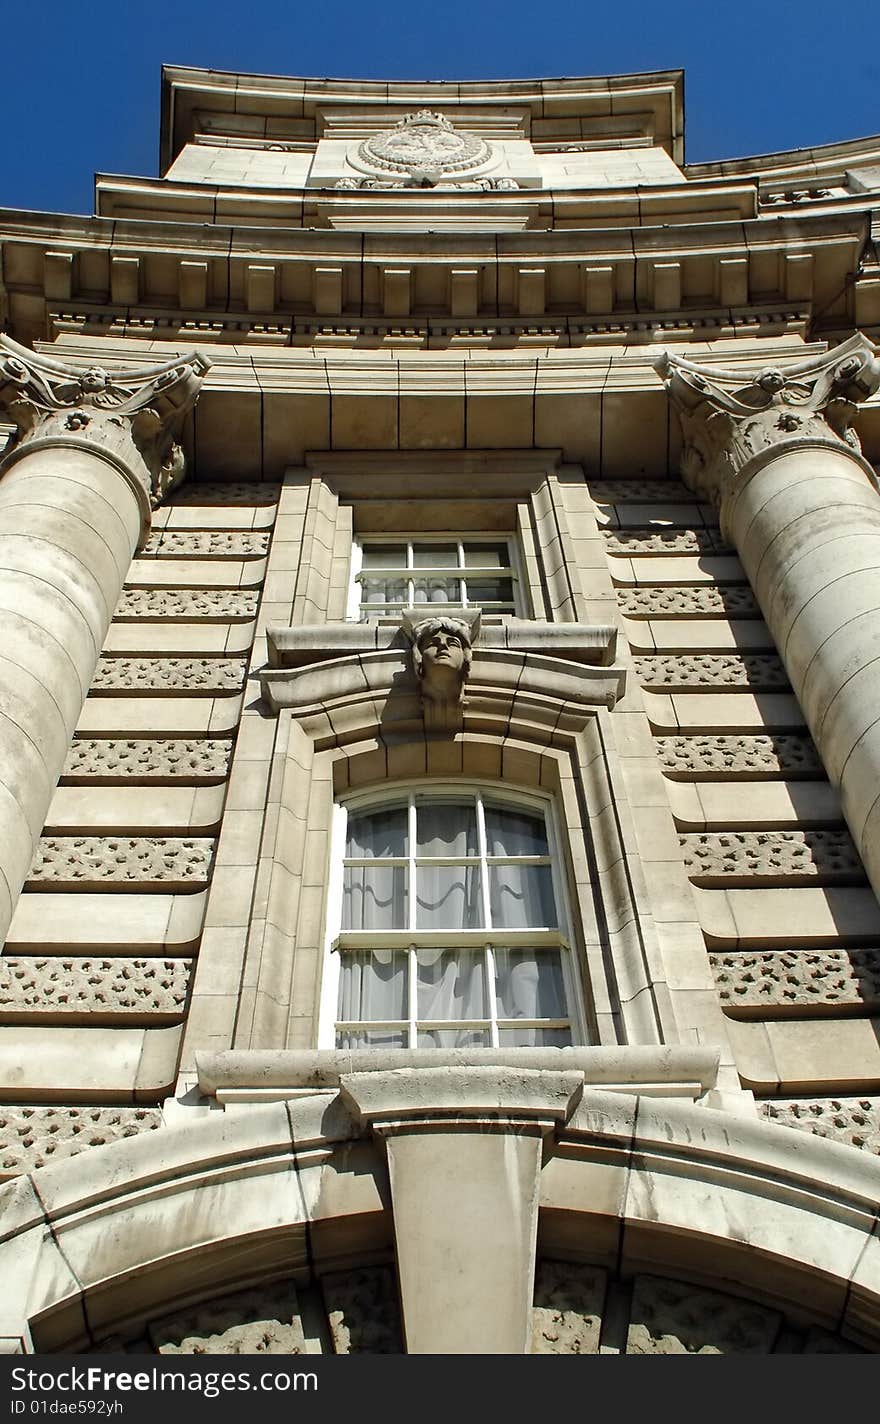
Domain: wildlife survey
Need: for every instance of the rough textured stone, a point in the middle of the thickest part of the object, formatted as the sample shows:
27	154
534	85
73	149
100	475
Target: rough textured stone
776	855
672	601
186	603
169	675
641	491
664	541
855	1121
58	986
363	1312
127	761
227	492
797	978
263	1321
743	756
33	1135
752	670
673	1318
567	1315
206	543
82	860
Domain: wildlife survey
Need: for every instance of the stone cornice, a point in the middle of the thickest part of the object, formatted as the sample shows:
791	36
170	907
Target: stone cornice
729	424
130	417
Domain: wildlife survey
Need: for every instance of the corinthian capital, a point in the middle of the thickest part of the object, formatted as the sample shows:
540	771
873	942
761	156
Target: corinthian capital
729	419
132	416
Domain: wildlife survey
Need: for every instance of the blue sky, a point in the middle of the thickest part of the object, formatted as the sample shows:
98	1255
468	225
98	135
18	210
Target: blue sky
81	81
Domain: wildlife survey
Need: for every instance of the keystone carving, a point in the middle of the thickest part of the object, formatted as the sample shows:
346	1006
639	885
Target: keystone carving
442	654
728	419
133	416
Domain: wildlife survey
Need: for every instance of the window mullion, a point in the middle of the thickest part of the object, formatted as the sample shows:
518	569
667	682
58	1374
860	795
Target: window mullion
412	996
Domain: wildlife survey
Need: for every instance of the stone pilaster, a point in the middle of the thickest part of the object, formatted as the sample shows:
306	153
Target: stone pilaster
94	452
777	455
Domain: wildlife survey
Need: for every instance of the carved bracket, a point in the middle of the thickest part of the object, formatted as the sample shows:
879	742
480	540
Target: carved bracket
134	416
728	418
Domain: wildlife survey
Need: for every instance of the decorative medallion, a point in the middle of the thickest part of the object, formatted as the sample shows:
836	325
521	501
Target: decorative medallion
424	144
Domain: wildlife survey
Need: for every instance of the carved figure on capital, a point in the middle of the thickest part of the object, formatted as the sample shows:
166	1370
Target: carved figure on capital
135	415
730	417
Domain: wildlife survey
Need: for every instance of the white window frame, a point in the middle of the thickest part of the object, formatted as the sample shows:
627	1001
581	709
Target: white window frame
410	940
511	570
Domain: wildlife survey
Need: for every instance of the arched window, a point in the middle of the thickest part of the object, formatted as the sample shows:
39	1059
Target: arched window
452	929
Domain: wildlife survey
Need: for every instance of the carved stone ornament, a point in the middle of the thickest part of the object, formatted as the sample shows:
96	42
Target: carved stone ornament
422	148
132	416
442	653
728	418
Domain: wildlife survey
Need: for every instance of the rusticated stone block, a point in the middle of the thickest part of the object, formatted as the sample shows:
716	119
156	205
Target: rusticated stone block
640	491
32	1136
183	604
771	855
674	1318
32	987
125	762
718	601
710	757
262	1321
727	670
797	978
74	862
567	1314
203	675
855	1121
664	541
363	1311
206	544
226	492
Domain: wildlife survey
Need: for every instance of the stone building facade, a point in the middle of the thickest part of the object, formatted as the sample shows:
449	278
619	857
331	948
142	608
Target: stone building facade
440	776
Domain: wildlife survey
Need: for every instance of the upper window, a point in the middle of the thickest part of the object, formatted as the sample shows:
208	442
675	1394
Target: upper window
444	571
452	925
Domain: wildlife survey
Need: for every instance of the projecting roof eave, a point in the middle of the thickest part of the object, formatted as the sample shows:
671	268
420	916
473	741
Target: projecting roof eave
796	164
270	105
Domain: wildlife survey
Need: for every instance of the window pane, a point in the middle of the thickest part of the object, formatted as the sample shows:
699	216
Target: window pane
384	556
529	985
434	589
447	828
521	897
453	1038
374	897
390	590
534	1037
514	832
373	986
377	833
435	556
448	897
482	590
371	1038
450	985
486	556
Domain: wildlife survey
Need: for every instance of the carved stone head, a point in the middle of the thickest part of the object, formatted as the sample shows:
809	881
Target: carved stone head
442	656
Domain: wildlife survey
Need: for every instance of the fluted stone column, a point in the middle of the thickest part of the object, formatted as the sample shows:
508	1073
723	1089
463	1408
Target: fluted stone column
94	452
777	456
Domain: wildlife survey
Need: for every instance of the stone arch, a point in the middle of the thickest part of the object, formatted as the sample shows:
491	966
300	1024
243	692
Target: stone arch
633	1187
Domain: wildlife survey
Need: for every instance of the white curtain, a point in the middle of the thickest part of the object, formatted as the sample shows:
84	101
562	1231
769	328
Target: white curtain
529	984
